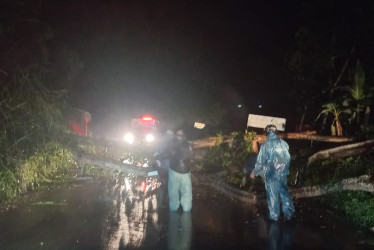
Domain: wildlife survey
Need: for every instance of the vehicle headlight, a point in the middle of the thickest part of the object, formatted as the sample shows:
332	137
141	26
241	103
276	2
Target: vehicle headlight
149	138
129	138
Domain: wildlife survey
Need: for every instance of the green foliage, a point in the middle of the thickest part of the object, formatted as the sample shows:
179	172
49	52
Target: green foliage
30	113
219	138
335	110
249	136
9	184
49	162
357	98
229	155
91	170
357	206
216	157
357	91
32	116
240	147
333	170
31	129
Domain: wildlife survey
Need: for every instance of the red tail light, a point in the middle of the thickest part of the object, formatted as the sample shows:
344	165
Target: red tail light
147	118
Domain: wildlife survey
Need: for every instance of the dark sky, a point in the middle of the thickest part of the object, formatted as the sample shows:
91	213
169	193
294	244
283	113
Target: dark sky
150	56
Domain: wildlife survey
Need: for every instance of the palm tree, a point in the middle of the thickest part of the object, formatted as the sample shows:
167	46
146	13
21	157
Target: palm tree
358	98
358	95
334	109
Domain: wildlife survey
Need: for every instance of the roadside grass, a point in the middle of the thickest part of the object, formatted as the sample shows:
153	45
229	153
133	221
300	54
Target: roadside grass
334	170
356	206
50	163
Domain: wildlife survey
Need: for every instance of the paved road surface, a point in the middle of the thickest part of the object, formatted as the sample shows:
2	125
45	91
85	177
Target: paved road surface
104	214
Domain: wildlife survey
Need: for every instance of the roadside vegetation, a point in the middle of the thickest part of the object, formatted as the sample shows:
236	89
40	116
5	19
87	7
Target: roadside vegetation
31	136
36	72
228	156
357	206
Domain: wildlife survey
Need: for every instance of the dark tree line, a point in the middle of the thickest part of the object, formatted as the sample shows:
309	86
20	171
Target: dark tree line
331	66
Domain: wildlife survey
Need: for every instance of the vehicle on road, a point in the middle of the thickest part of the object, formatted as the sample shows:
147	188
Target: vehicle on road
143	131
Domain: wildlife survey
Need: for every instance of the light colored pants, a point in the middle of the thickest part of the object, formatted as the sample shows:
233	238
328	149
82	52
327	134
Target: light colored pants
180	191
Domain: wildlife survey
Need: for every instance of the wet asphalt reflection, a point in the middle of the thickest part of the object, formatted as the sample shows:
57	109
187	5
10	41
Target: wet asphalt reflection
116	214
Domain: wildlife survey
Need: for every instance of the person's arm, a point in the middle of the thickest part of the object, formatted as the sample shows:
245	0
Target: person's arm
287	157
261	159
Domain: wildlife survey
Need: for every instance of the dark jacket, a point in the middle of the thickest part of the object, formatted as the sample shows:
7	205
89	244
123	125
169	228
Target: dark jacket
181	159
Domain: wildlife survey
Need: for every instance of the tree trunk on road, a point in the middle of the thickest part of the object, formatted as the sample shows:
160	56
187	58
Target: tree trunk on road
114	165
309	135
361	183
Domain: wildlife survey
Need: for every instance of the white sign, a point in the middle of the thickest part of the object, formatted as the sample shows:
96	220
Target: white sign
261	121
199	125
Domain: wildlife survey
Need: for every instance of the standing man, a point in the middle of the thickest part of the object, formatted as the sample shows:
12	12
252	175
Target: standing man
272	165
179	185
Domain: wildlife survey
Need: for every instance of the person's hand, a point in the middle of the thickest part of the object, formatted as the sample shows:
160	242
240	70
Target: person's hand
252	176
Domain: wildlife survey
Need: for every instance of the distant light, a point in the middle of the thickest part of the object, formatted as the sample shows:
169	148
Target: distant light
199	125
129	138
149	138
147	118
239	105
259	106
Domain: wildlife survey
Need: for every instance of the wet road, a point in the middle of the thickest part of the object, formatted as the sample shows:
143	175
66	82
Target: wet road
103	214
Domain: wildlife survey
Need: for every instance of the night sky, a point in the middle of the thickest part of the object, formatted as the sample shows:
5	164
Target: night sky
164	57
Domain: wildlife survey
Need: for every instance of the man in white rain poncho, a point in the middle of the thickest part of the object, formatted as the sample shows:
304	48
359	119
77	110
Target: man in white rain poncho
272	165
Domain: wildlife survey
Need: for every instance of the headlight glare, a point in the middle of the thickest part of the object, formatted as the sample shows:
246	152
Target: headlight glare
149	138
129	138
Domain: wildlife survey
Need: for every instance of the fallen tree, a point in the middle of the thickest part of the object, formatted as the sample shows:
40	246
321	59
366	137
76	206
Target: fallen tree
362	183
215	181
113	165
343	151
308	135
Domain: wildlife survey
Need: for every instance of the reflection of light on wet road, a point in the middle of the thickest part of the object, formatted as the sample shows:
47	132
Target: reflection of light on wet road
114	242
133	213
49	203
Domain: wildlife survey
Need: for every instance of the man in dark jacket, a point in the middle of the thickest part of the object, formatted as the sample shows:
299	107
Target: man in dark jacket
179	185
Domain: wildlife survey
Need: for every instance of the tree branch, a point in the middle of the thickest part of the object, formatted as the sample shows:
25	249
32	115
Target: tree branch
361	183
343	151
